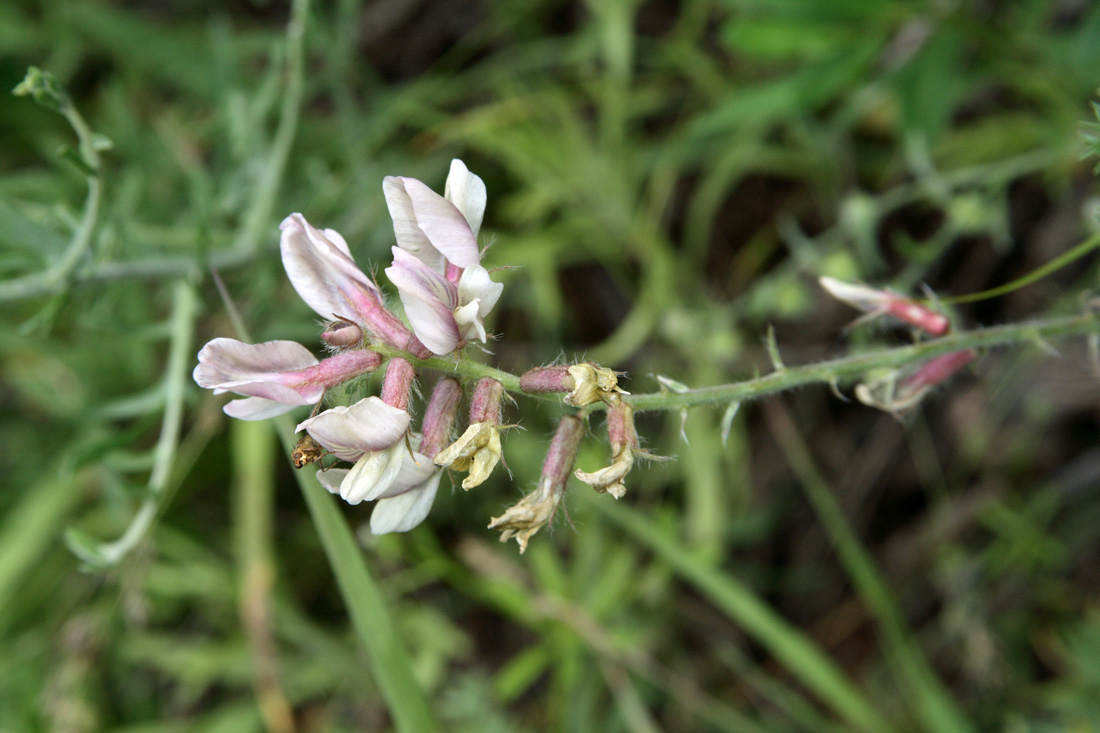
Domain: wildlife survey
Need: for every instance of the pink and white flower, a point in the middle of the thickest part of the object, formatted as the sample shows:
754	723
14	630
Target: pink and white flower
275	376
369	434
436	264
887	303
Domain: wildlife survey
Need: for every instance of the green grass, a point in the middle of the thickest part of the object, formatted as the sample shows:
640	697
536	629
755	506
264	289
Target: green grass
668	181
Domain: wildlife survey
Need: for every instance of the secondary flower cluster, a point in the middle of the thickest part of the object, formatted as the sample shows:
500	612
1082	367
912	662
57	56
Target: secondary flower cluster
896	390
446	294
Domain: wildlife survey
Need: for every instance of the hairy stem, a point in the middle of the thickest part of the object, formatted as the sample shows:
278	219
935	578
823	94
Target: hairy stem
835	371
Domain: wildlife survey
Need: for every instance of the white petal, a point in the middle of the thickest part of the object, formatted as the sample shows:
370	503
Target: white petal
429	300
332	478
256	408
224	361
440	223
372	475
367	426
467	192
469	322
855	295
475	283
410	238
416	468
402	513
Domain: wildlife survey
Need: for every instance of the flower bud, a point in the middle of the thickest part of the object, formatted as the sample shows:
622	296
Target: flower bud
525	518
897	392
397	384
543	380
439	417
624	441
342	334
885	302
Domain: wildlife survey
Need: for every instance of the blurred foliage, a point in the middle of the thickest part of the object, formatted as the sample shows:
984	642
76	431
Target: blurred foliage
668	179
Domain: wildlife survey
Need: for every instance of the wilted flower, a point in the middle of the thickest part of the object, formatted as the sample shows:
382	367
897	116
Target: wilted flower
436	263
526	517
478	449
624	443
888	303
276	376
898	391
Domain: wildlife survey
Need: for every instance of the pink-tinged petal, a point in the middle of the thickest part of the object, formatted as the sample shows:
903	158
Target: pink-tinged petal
467	192
372	474
429	301
438	220
404	512
224	361
367	426
475	284
256	408
338	239
415	469
322	270
410	237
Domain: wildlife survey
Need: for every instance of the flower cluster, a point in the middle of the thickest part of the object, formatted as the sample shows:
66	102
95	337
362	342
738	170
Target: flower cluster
897	390
446	295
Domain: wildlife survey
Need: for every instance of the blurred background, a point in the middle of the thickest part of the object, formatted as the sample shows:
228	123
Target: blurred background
668	180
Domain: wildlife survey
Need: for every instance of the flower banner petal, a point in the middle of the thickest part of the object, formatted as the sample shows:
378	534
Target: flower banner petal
349	432
321	269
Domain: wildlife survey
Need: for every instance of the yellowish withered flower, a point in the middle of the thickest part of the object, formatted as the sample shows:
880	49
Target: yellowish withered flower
476	451
610	478
624	441
527	516
593	383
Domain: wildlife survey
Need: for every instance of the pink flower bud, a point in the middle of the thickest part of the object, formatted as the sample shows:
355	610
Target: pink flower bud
938	370
543	380
886	302
897	391
485	403
342	334
439	417
397	384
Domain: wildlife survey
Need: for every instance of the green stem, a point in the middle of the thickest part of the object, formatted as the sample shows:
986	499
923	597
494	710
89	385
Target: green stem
185	308
836	371
57	276
1038	274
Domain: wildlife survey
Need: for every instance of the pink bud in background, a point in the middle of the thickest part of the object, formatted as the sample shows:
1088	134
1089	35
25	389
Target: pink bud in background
886	302
896	392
